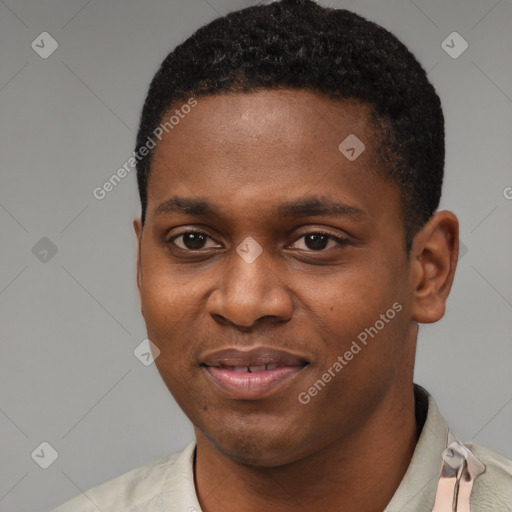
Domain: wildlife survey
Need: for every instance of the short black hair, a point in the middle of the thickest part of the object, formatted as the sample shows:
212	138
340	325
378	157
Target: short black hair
298	44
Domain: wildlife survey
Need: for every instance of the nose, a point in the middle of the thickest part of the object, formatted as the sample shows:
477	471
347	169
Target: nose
250	292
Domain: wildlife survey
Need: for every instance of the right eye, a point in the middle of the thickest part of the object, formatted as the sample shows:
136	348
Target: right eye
190	240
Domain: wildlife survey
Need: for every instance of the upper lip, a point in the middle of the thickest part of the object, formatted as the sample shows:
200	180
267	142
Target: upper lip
256	356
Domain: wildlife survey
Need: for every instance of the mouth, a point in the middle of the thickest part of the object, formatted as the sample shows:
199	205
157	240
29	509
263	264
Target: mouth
252	374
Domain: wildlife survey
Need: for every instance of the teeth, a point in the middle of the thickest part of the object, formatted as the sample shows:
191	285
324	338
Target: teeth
253	369
238	369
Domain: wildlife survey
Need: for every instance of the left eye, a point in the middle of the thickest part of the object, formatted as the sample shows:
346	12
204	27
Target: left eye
317	241
191	240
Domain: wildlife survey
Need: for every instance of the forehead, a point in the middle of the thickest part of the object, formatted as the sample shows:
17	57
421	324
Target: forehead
267	144
294	121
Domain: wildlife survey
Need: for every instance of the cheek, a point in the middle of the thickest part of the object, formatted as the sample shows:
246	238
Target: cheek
351	299
163	291
166	310
360	317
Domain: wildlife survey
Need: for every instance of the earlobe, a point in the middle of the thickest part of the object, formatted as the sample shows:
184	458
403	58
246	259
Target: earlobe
137	226
434	260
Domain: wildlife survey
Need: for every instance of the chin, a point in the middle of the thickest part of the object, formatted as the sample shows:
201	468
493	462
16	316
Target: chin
264	447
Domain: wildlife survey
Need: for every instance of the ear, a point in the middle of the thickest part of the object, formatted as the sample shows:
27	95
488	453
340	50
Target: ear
434	255
137	227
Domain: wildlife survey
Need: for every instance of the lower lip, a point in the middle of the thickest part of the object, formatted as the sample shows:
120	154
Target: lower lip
252	386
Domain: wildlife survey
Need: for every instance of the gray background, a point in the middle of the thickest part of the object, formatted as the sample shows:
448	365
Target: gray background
70	323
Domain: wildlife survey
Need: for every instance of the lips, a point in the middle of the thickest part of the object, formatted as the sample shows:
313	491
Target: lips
255	357
252	374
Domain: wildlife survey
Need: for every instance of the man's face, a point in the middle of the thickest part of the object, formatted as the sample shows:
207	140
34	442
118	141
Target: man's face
320	280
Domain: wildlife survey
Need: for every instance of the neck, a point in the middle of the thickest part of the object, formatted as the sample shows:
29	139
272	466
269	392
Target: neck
359	473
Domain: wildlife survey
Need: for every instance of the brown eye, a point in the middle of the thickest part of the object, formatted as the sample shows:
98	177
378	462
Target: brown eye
318	241
190	241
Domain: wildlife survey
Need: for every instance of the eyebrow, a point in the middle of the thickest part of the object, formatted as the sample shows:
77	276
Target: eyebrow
304	207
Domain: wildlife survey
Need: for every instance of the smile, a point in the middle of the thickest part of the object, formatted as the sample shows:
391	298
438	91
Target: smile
252	374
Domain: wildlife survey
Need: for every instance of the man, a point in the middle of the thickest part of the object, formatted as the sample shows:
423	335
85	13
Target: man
290	164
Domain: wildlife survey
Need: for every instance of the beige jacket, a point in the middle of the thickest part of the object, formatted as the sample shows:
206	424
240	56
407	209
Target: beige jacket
167	484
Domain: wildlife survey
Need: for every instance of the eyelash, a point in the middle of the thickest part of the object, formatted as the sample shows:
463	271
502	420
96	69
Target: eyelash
340	240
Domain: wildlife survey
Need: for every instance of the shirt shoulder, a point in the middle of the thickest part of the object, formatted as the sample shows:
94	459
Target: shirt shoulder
139	489
492	490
